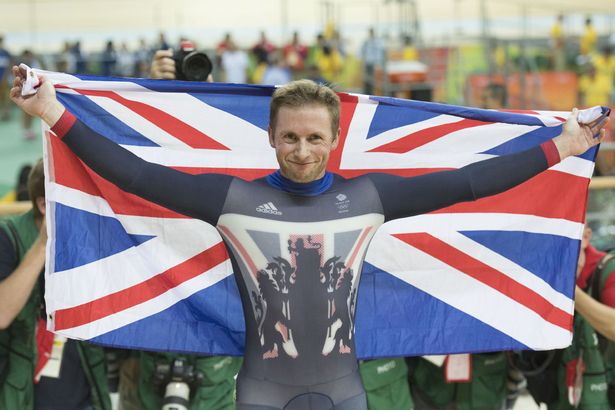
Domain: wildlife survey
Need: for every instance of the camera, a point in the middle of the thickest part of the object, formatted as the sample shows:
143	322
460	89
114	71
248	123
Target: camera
191	64
179	377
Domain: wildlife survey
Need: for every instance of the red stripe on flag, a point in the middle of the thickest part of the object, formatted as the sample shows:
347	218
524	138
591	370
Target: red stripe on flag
70	172
348	104
488	276
168	123
521	199
142	292
425	136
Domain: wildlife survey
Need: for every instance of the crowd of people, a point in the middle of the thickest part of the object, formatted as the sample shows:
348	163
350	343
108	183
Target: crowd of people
89	372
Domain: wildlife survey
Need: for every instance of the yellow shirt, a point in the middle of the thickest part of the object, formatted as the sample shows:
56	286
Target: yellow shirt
597	90
556	35
605	66
588	40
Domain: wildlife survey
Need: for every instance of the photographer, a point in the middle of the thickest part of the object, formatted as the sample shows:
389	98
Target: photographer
581	376
37	369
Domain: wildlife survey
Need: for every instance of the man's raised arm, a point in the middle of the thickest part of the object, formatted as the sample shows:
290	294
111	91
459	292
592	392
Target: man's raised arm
198	196
402	197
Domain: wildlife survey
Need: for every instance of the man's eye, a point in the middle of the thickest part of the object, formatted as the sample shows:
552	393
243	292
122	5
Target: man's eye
289	137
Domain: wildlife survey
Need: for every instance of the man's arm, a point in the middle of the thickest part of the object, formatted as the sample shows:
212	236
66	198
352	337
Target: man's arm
198	196
402	197
600	316
17	287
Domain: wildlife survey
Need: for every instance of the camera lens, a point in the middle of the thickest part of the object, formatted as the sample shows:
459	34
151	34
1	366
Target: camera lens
196	66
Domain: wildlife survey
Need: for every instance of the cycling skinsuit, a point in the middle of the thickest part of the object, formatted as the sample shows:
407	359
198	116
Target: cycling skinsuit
297	251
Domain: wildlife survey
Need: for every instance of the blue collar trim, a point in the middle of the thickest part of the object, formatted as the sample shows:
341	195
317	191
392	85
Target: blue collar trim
317	187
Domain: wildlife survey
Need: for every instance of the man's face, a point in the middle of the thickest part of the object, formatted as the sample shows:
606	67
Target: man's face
303	140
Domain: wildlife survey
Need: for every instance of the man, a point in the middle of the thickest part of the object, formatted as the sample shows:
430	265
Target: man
297	263
594	276
73	377
372	53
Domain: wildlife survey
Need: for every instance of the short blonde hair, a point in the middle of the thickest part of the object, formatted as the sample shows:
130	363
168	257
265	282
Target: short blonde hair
302	93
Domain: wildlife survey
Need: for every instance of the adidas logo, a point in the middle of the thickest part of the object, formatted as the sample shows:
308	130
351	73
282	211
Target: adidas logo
268	208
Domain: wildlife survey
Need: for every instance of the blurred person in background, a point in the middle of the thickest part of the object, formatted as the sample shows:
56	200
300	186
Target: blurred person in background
29	58
596	88
372	54
108	60
5	64
65	60
142	58
81	66
39	370
558	45
328	59
295	53
261	53
276	72
234	63
125	61
589	39
221	47
605	64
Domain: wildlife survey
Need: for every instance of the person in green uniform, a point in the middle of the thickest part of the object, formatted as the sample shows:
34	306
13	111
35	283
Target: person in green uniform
74	377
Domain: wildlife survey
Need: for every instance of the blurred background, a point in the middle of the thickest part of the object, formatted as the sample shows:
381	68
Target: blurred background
513	54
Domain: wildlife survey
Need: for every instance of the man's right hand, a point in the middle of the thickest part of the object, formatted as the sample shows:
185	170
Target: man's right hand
163	65
43	103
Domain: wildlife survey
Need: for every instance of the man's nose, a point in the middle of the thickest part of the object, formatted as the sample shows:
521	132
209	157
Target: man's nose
302	149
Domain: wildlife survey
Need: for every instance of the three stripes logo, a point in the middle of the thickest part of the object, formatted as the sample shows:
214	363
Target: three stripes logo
268	208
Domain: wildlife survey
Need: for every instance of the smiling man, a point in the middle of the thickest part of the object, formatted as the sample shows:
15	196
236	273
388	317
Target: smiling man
297	238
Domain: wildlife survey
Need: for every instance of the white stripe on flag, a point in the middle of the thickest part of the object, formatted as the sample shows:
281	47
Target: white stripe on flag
472	297
151	307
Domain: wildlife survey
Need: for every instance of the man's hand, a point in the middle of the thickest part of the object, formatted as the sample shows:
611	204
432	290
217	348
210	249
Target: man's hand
577	138
43	104
163	65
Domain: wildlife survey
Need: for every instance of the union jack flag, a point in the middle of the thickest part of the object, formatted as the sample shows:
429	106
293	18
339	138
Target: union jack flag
494	274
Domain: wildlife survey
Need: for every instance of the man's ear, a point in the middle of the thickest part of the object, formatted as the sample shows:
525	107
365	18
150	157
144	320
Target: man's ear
336	139
40	204
270	133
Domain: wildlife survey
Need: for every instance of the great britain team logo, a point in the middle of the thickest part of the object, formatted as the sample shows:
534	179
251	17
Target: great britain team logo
306	287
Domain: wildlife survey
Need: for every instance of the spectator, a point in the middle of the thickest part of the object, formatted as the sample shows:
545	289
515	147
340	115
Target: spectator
222	47
594	89
605	64
263	49
80	61
142	59
5	63
295	54
71	376
235	64
108	60
65	62
589	39
276	73
558	45
162	43
125	61
372	53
